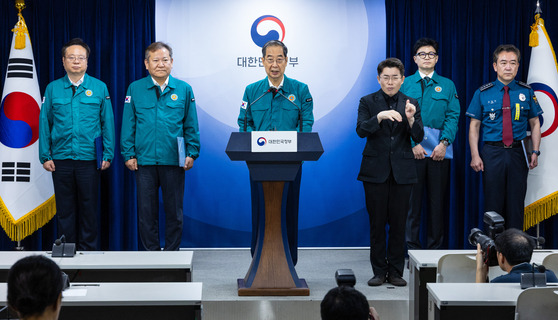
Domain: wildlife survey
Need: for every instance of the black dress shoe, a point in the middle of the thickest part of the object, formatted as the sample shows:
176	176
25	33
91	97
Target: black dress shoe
377	280
396	280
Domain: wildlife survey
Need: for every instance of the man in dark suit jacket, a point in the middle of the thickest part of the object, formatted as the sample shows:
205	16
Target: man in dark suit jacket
388	120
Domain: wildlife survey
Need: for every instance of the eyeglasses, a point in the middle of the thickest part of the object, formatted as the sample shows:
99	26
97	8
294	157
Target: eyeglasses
392	78
423	55
278	60
74	58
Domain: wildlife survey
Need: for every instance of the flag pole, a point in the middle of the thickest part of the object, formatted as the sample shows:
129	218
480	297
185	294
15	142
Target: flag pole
20	5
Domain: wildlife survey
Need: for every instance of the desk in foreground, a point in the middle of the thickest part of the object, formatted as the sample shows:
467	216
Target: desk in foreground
152	300
423	267
479	301
114	266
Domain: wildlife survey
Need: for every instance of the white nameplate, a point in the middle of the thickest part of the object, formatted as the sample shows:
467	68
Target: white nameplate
274	141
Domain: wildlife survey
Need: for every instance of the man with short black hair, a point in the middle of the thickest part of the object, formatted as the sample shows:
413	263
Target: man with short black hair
514	249
346	303
76	111
388	120
35	284
440	110
506	109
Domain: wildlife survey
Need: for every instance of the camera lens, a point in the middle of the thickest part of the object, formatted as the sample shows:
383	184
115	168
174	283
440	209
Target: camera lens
486	244
474	236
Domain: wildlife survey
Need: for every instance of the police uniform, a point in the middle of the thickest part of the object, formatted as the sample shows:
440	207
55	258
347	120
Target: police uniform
440	110
71	119
151	123
263	110
505	168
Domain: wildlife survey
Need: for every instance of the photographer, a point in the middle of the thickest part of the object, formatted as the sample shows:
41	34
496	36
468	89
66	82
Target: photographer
514	249
346	303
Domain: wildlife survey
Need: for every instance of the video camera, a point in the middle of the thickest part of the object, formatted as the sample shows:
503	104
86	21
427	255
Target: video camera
345	277
494	225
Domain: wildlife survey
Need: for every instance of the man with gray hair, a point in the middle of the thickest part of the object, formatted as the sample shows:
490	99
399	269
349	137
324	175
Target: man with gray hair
159	120
277	103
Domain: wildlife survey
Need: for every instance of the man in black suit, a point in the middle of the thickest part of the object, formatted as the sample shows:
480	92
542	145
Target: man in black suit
388	120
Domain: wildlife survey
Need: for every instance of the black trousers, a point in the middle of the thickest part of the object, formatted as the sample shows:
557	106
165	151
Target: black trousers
171	180
505	183
387	204
76	190
291	208
432	175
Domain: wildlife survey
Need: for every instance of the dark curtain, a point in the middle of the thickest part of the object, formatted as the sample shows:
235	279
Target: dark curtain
468	31
117	31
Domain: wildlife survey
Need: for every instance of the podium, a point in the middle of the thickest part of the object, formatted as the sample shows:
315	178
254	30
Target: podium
272	272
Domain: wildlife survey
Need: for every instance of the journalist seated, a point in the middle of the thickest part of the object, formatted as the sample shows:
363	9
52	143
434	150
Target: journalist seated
35	288
514	249
346	303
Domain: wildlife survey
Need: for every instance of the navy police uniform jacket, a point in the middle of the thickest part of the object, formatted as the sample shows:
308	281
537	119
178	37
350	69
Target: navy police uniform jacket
486	106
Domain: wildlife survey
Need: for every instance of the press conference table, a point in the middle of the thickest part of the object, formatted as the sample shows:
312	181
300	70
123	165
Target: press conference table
114	266
423	266
479	301
148	300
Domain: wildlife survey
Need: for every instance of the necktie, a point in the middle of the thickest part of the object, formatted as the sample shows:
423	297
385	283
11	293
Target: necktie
507	132
424	83
73	90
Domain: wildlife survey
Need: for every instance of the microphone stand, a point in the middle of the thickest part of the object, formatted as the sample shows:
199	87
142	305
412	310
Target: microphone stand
250	105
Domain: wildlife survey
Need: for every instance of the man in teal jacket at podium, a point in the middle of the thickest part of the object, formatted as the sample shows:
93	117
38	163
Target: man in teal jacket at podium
277	103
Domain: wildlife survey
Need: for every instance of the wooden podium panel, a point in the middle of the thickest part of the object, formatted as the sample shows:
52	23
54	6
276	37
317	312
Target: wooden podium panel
272	272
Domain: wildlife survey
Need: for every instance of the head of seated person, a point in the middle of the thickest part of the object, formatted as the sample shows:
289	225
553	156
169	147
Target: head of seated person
514	249
346	303
35	288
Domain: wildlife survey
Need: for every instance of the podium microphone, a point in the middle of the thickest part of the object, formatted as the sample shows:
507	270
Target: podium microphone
61	249
60	241
299	111
539	241
250	105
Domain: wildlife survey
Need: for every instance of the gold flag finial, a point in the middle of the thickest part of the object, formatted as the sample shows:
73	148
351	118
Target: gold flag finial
534	35
20	28
20	5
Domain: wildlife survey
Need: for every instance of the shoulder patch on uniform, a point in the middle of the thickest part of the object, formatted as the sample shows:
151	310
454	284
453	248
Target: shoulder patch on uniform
107	97
309	99
43	99
486	86
456	97
523	84
243	105
193	99
128	99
